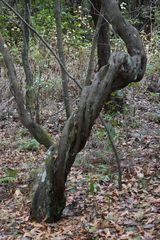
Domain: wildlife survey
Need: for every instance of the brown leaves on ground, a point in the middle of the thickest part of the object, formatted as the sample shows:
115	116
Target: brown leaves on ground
95	208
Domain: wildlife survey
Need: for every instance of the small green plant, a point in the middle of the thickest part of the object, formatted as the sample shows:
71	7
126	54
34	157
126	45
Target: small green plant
137	238
155	117
135	123
143	183
132	229
30	145
10	176
4	143
95	181
101	133
93	187
22	132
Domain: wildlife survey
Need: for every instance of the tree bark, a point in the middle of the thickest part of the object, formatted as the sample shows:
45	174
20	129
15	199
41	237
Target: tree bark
123	68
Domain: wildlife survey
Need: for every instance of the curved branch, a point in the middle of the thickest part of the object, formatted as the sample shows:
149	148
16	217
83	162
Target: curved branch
127	32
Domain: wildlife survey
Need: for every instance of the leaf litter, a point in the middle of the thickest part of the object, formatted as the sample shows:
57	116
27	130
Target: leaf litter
95	208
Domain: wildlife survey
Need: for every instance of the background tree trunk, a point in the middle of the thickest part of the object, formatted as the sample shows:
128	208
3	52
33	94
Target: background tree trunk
61	56
103	43
30	93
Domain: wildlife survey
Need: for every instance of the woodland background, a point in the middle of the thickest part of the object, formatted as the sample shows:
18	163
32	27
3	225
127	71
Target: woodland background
95	208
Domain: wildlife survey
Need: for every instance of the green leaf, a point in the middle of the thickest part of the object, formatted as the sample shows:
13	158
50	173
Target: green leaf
31	145
12	173
5	180
137	238
92	187
132	229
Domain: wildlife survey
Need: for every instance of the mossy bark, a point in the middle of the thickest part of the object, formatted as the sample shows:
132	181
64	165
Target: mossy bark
49	199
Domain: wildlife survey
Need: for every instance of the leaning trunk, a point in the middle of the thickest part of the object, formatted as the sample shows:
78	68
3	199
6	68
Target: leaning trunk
122	69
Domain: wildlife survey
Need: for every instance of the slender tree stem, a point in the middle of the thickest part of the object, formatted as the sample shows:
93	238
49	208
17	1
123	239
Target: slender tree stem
30	98
93	48
61	57
115	152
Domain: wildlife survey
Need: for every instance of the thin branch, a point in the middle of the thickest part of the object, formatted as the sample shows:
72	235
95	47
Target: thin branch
42	39
115	152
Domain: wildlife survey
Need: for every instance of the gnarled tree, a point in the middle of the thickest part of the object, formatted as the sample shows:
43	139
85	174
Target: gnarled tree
122	69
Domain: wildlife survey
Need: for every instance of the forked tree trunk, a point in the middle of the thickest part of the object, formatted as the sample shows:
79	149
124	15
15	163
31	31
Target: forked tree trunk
123	68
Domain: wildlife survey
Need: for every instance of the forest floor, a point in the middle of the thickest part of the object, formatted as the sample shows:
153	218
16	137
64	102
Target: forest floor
95	209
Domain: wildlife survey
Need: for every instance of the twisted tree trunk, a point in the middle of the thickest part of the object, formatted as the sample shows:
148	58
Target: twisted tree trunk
123	68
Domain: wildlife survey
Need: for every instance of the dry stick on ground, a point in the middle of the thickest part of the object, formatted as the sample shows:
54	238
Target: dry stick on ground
61	57
115	152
